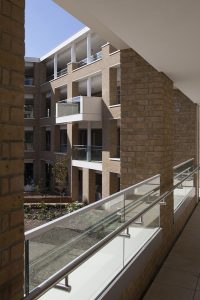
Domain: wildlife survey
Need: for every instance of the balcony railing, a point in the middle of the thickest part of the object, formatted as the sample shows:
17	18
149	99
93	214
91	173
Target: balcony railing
83	152
94	57
69	107
28	146
28	80
97	241
28	111
63	148
50	77
80	108
62	72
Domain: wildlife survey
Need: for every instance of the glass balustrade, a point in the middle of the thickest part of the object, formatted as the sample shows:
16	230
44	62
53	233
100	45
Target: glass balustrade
93	58
28	146
50	249
62	72
93	245
68	107
187	187
83	152
28	80
28	111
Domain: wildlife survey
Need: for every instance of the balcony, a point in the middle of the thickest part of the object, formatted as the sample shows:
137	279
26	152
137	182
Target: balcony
63	148
83	152
28	146
100	242
28	112
59	74
79	108
93	58
28	80
62	72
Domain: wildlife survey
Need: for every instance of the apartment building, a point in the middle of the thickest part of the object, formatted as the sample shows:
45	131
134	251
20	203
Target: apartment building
72	108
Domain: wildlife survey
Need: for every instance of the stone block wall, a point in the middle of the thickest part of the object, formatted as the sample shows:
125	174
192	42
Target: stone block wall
146	121
185	127
11	148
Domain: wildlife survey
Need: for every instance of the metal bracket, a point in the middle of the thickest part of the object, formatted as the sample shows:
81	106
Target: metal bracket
65	287
126	235
163	202
139	221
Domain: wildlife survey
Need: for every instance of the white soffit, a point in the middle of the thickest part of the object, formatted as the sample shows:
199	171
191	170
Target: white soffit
164	32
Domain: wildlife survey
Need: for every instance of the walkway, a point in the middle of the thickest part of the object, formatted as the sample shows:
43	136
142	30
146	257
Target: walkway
179	277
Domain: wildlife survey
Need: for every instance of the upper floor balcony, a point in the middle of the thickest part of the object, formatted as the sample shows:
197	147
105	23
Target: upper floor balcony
85	153
28	80
79	108
92	58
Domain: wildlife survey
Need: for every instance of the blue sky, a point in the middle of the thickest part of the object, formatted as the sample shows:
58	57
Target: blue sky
46	26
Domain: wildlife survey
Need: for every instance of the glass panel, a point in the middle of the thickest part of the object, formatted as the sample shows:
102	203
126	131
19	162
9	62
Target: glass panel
140	232
97	272
185	190
69	238
54	249
68	107
80	152
96	153
62	72
139	198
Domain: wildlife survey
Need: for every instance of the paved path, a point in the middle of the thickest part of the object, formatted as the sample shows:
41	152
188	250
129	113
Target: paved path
179	277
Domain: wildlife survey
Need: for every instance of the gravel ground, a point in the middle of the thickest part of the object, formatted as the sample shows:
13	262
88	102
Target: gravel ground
30	224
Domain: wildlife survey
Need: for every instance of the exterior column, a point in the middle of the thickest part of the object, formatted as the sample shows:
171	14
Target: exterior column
89	141
89	49
89	185
74	184
73	53
185	128
89	87
55	65
147	129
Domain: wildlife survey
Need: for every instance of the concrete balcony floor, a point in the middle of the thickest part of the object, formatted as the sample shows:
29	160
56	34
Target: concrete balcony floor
179	276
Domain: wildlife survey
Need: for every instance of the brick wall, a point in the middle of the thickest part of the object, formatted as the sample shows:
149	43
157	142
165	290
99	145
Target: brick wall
11	148
185	127
146	121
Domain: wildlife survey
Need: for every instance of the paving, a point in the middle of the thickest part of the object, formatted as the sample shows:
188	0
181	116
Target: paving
179	277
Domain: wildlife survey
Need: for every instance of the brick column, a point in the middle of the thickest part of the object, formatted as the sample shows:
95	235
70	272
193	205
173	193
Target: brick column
11	149
146	127
89	185
185	127
109	183
74	184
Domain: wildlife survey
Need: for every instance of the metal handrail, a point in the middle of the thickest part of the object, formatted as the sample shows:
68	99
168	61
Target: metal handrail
58	276
183	163
45	227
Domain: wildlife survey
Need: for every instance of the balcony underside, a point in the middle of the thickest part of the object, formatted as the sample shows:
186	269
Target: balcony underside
78	118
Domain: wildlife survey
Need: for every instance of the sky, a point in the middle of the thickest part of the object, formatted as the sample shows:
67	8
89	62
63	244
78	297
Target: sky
46	26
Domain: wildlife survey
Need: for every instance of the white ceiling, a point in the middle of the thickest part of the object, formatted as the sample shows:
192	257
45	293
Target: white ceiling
165	32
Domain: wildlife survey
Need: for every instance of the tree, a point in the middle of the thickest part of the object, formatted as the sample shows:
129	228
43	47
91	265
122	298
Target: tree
60	173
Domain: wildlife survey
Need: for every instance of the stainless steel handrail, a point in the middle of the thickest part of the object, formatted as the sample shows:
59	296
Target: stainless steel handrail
58	276
183	163
45	227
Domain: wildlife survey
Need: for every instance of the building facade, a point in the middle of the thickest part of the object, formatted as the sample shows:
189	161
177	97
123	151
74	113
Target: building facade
102	109
72	108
